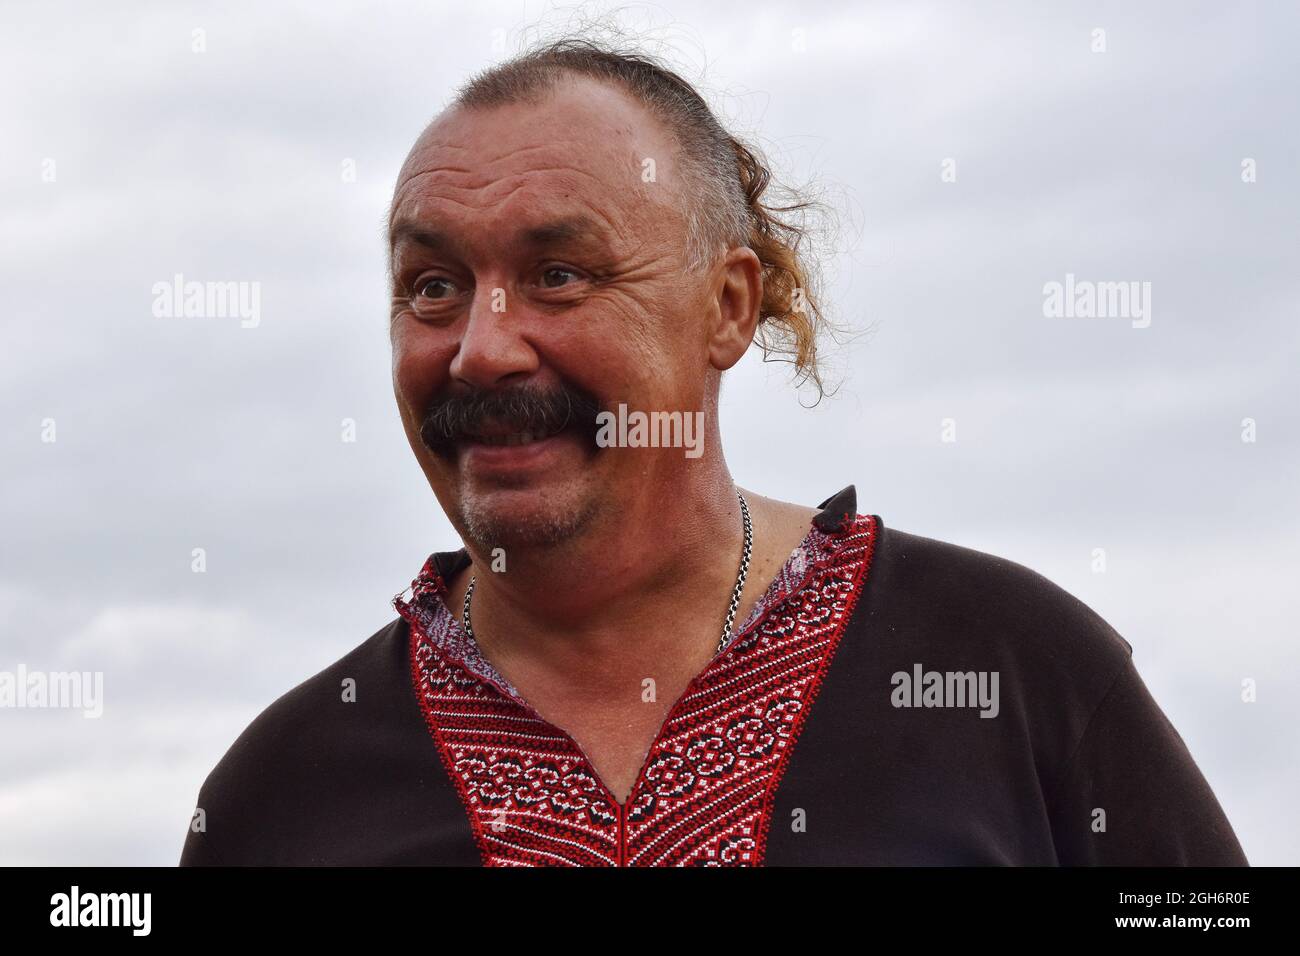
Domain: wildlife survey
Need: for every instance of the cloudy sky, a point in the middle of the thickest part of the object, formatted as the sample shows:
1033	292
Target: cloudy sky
974	153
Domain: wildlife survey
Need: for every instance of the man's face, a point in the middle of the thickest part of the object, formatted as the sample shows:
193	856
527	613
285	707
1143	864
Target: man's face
537	278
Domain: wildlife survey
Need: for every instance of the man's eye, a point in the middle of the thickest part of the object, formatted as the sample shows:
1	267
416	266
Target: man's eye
553	271
429	288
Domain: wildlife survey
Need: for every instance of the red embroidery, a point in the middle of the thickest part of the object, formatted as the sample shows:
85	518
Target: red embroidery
704	795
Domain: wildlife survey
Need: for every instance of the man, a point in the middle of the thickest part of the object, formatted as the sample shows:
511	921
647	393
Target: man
632	661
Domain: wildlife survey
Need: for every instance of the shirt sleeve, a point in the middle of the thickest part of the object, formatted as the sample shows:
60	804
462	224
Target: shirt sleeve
1131	794
198	851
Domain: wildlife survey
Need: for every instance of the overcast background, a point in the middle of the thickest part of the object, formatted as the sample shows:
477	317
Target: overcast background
1072	434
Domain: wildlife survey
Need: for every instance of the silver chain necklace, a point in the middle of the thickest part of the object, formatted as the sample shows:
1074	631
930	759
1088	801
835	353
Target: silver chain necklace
735	592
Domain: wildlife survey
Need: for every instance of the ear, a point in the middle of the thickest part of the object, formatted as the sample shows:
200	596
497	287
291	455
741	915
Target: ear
736	299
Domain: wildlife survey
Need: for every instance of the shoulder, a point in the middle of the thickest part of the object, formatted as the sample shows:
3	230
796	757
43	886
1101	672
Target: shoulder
327	728
984	595
929	601
365	673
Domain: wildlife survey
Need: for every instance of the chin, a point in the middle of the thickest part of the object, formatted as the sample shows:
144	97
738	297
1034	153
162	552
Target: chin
522	518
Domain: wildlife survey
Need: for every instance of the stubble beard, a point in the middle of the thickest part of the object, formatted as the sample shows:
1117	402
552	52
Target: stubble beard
549	524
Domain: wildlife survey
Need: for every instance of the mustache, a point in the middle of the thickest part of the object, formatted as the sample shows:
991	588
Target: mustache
540	411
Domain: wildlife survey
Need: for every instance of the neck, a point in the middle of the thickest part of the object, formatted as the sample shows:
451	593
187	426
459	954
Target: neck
660	570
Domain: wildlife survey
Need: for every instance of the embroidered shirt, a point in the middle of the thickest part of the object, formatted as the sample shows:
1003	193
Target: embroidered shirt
890	699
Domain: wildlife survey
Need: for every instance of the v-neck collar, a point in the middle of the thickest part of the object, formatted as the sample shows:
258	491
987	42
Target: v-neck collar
427	609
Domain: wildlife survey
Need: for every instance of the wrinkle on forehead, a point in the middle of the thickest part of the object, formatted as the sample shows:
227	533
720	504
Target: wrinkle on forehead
440	160
602	203
492	186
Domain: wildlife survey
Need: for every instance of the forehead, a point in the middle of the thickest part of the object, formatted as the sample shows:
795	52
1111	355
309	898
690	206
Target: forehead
582	149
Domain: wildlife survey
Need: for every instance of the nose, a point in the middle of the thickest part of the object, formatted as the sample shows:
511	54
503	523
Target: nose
492	349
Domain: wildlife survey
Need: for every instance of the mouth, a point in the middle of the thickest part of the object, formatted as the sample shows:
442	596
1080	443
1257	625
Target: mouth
503	451
508	439
511	426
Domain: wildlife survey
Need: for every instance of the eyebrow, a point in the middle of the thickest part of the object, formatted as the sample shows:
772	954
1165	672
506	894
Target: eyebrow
561	230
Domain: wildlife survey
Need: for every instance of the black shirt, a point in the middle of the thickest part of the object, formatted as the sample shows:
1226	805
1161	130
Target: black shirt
891	699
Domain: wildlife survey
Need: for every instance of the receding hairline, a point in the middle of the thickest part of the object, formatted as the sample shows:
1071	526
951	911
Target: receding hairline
532	97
